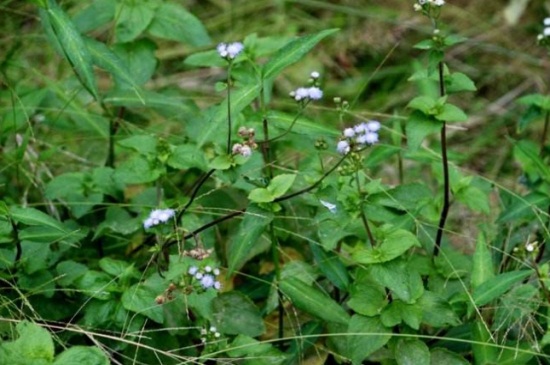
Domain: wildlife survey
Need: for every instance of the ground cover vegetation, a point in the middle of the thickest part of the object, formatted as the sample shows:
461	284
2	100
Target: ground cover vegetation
274	182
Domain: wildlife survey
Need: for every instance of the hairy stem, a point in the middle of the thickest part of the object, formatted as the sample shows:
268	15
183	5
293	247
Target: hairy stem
446	182
362	212
229	127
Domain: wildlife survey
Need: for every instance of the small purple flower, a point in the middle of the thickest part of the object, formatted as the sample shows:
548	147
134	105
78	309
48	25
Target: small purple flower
314	93
343	147
373	126
193	270
207	281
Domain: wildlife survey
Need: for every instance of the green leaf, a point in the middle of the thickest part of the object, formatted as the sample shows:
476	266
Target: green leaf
98	13
396	242
313	301
398	311
138	56
96	284
34	217
138	170
484	350
528	155
205	59
292	52
451	113
236	314
539	100
222	162
144	144
187	156
73	46
34	346
254	352
524	207
436	311
240	99
412	352
404	282
106	59
280	184
425	44
132	18
331	266
444	356
69	271
483	269
457	82
366	335
425	104
141	299
261	195
173	22
418	127
114	267
242	245
367	297
82	355
498	285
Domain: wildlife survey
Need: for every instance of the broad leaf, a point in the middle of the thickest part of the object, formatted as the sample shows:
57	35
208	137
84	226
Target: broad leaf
365	336
313	301
236	314
292	52
33	346
498	285
172	21
250	230
331	266
396	242
82	355
412	352
132	18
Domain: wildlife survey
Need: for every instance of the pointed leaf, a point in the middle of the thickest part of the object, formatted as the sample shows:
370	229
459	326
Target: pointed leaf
313	301
73	46
105	58
418	127
483	269
366	336
498	285
331	266
280	184
250	230
132	18
292	52
173	22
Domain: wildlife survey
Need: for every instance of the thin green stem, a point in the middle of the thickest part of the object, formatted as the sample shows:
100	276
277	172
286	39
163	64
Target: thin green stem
544	132
288	130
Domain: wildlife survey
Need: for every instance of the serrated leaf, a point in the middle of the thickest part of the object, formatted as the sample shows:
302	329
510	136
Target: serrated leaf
235	314
498	285
251	228
367	336
72	45
292	52
173	21
141	299
313	301
457	82
34	346
425	104
412	352
404	282
418	127
132	18
395	243
451	113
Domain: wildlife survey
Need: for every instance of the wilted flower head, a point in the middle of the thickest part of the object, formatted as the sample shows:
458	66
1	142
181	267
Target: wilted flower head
230	50
158	216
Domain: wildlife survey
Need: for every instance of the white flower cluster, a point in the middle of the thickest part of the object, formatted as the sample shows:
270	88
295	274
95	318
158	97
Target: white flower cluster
211	332
420	4
158	216
307	93
546	31
206	276
230	50
360	135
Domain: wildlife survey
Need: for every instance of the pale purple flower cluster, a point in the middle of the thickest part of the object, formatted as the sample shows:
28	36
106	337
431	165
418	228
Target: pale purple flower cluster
241	149
307	93
206	276
158	216
230	51
358	136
